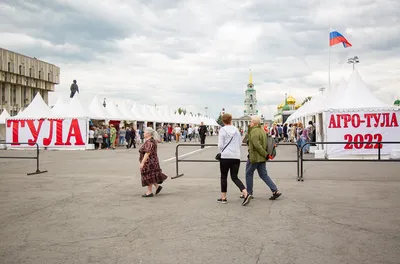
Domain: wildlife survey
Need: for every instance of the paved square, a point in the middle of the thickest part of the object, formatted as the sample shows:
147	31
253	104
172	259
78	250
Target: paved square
88	209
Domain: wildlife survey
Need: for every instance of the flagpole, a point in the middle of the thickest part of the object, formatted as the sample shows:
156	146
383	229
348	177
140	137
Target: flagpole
329	61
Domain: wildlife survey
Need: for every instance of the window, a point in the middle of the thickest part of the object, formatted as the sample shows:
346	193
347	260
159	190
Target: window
30	72
49	77
33	92
9	66
23	95
251	97
251	107
40	74
3	92
20	70
14	95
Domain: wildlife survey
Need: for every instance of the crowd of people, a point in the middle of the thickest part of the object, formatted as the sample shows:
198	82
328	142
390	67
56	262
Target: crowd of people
110	136
295	133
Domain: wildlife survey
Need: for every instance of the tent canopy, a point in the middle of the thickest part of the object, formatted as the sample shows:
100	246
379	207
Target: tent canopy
35	110
4	115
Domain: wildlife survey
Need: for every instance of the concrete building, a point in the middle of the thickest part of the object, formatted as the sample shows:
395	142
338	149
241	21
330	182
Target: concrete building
21	77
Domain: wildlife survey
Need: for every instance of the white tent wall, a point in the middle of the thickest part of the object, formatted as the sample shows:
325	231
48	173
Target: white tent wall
363	120
4	115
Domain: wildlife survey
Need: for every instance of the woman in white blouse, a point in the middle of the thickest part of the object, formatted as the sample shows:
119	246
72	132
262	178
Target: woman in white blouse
229	144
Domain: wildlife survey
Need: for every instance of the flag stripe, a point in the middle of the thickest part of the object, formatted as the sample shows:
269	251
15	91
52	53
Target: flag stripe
337	38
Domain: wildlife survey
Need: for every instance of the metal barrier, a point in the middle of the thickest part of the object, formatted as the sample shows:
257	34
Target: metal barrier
177	160
302	159
38	171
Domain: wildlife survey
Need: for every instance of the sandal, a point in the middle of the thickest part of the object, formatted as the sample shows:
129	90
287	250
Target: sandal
275	195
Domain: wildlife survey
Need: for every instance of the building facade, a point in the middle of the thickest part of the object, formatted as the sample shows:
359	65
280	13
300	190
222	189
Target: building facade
250	101
285	109
250	107
21	78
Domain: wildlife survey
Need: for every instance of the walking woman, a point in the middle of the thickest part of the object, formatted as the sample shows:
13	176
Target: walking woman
149	164
229	143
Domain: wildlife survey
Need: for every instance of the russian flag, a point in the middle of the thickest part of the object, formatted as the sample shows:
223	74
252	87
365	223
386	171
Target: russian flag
336	38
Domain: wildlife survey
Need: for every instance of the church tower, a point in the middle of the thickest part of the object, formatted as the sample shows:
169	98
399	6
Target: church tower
250	102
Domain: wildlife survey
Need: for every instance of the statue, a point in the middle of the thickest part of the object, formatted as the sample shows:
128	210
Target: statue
74	88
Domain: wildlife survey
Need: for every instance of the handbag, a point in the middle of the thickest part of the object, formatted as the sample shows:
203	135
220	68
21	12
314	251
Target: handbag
218	156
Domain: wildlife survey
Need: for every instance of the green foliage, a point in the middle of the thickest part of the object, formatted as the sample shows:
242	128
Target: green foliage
180	110
219	120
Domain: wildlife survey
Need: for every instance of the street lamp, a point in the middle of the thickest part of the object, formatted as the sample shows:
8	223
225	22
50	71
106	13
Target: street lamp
104	102
353	61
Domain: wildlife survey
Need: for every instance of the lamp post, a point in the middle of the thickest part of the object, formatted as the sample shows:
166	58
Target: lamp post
104	102
354	60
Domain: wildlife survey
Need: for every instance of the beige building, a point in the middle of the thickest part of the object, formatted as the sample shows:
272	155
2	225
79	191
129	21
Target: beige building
21	77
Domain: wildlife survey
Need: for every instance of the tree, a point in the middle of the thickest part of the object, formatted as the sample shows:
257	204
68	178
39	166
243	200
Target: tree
180	110
308	98
219	120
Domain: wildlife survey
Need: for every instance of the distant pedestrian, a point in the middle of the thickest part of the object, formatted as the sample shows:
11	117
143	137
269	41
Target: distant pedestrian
202	132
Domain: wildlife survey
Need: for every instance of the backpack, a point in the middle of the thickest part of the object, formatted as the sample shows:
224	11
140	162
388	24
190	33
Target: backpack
271	147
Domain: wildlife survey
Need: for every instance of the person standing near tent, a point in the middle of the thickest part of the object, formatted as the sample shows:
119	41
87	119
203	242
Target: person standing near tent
113	135
74	88
203	132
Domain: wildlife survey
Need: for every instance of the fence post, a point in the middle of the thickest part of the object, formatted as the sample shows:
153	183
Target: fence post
37	162
177	163
379	151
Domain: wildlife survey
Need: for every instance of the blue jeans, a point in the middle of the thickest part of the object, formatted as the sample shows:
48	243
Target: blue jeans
121	140
303	141
262	172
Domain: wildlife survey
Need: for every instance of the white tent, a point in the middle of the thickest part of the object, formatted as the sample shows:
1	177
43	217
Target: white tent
4	115
59	107
126	112
356	96
36	109
115	113
356	115
99	110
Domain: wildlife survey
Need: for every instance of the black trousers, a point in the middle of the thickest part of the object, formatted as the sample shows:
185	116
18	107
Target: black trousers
202	140
231	165
130	143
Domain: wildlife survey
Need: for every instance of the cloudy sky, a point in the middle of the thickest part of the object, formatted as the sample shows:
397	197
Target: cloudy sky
197	53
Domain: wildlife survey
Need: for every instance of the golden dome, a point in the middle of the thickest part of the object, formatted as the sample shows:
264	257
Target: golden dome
297	106
291	100
280	106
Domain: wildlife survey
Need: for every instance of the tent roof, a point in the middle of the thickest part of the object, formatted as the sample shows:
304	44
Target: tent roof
98	109
356	96
36	109
3	116
123	108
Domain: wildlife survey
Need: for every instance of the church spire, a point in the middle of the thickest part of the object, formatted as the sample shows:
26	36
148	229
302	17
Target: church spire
250	78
